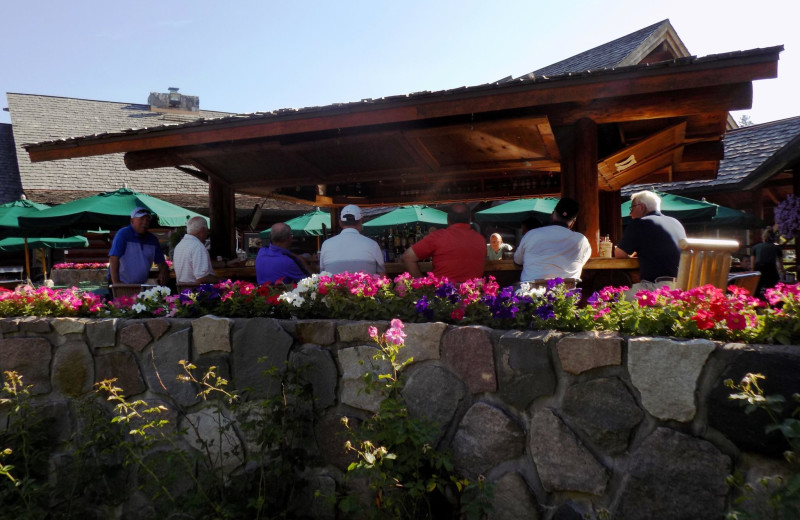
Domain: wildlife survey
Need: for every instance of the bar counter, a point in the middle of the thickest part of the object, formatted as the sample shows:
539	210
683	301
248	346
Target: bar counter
597	271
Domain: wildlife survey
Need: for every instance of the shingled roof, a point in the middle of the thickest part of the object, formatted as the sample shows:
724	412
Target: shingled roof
631	49
10	187
752	155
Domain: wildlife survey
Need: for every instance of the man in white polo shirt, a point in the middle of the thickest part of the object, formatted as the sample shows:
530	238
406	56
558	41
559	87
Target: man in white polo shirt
191	260
350	251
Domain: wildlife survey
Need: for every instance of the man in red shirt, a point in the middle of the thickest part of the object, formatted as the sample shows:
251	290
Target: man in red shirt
458	252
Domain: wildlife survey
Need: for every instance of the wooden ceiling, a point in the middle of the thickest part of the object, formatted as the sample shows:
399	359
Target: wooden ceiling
655	123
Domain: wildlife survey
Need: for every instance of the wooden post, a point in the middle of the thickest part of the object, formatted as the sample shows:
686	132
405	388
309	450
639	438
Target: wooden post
221	210
579	177
611	215
758	210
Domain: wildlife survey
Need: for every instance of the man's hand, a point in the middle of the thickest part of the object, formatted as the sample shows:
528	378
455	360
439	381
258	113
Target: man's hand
412	263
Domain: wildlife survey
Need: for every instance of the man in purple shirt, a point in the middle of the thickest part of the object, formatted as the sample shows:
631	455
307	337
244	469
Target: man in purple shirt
275	263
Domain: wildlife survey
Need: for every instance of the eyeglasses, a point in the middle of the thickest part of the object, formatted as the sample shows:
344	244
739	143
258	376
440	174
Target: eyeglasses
636	204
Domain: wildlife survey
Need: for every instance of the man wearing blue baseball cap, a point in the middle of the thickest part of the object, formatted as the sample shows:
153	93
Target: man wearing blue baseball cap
134	250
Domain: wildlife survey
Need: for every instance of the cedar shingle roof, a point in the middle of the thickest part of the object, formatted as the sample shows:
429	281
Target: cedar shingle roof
37	118
10	188
752	154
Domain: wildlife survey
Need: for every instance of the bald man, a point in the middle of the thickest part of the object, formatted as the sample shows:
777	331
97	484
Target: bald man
458	252
275	263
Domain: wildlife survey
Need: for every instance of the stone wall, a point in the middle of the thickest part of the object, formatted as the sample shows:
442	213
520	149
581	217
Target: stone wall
563	424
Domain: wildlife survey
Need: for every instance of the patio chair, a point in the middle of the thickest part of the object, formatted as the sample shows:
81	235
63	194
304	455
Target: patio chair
704	261
125	289
748	280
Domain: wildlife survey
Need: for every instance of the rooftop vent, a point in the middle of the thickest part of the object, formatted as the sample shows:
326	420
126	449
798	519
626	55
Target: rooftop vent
173	101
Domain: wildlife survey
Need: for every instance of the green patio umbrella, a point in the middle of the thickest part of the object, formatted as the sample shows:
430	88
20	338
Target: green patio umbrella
17	239
681	208
108	210
306	225
517	211
733	217
406	215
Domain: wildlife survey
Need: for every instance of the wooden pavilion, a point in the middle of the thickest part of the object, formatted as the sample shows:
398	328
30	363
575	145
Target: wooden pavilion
580	135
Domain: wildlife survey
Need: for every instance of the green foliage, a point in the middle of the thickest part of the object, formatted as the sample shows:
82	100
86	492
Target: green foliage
408	477
774	497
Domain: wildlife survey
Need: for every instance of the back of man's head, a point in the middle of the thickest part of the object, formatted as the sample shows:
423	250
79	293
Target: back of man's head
458	214
650	200
566	210
195	225
280	234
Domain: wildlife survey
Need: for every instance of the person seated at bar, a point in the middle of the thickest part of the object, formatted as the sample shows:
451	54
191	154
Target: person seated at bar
350	251
190	259
458	251
495	248
134	250
275	263
653	237
554	250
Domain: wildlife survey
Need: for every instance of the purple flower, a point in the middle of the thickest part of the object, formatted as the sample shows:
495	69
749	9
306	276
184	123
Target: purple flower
422	306
545	312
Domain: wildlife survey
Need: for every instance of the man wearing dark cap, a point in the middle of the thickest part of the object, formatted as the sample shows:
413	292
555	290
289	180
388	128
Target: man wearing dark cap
458	252
350	251
134	250
554	250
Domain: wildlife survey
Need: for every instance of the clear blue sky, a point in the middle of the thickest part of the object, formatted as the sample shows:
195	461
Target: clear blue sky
250	56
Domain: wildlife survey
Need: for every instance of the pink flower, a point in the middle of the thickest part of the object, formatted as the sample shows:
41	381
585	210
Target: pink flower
373	332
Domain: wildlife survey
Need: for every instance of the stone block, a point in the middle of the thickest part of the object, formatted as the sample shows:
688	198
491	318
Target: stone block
355	362
318	332
102	333
258	345
486	437
584	351
211	333
350	331
563	462
123	367
331	436
64	326
157	327
162	367
603	410
317	367
512	500
34	324
135	336
422	341
211	432
779	363
30	357
73	369
665	372
673	476
432	380
524	366
9	325
468	352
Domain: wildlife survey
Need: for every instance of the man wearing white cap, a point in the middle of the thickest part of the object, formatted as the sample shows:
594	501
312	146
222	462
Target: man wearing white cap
350	251
134	250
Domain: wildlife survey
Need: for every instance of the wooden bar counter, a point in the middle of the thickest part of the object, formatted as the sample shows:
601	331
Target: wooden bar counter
597	273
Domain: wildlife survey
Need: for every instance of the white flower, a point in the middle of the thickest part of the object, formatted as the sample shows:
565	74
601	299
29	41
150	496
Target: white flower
138	308
292	298
526	289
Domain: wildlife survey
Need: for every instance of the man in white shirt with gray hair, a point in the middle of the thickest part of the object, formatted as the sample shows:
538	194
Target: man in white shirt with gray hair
191	260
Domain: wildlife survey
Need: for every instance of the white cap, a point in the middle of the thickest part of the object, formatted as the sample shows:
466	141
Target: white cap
351	213
140	212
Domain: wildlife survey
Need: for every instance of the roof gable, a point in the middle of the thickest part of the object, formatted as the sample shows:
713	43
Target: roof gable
657	42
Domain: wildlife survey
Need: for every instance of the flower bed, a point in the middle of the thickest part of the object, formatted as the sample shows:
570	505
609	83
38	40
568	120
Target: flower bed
703	312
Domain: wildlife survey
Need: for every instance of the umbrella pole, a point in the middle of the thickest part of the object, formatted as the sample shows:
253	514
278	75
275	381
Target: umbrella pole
27	262
44	262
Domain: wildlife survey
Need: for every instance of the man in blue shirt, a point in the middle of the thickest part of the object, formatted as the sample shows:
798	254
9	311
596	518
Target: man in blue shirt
275	263
134	250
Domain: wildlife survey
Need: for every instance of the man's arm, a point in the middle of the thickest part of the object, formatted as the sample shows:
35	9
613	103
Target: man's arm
113	269
619	253
412	263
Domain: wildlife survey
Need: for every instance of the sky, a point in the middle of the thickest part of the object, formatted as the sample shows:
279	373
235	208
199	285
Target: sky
264	55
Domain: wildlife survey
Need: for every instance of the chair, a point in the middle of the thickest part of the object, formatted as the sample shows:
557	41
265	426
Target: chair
747	280
704	261
125	289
